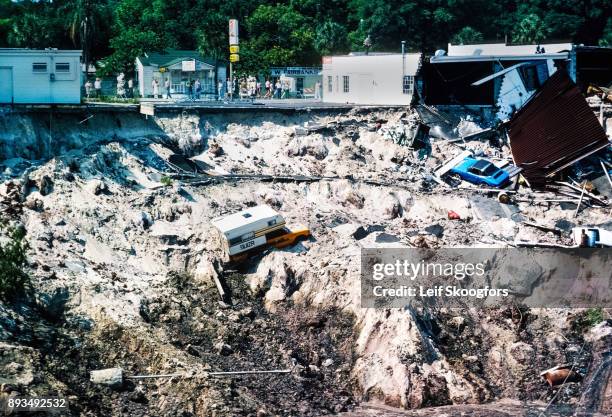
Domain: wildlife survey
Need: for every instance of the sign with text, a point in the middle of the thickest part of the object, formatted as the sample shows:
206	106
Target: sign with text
188	66
295	71
479	277
233	32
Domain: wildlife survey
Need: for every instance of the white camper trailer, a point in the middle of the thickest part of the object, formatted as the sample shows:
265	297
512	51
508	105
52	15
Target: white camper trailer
254	228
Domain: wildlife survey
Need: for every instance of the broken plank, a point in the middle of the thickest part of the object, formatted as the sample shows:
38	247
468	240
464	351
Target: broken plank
453	162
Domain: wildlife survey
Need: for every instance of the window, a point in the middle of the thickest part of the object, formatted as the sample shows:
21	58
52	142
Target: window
62	67
247	236
329	83
39	67
408	86
345	83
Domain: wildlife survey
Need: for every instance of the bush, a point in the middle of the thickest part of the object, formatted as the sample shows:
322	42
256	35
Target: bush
166	181
587	319
13	280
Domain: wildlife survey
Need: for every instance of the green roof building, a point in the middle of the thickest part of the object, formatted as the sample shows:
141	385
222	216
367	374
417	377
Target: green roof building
180	67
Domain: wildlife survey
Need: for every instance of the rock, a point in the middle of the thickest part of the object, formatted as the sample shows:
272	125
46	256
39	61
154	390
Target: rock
223	349
45	185
52	304
215	149
300	131
140	219
435	229
96	186
522	352
352	197
360	233
327	363
35	204
112	377
600	335
391	207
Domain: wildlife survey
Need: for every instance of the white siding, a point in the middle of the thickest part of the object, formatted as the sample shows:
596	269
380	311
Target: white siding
501	49
31	87
372	79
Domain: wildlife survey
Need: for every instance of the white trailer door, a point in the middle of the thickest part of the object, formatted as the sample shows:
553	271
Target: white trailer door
6	85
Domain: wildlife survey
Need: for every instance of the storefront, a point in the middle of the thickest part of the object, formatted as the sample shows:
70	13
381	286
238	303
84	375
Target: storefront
182	68
300	81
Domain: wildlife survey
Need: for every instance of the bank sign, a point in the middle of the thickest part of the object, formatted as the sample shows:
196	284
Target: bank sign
295	71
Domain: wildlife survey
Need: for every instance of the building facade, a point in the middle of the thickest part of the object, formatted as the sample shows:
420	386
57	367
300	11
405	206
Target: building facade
381	79
49	76
181	67
299	81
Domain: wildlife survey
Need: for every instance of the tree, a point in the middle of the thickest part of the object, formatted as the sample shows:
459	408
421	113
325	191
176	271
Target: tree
278	36
331	37
466	36
531	29
85	20
606	39
13	247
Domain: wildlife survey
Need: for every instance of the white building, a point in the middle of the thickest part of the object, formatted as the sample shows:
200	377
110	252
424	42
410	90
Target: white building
386	79
50	76
181	67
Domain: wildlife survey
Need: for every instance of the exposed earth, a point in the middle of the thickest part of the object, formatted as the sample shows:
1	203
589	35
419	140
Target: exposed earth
123	261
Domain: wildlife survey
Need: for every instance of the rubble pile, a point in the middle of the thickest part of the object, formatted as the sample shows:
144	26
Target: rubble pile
124	262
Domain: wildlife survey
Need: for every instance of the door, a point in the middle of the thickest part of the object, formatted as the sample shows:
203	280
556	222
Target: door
300	85
6	85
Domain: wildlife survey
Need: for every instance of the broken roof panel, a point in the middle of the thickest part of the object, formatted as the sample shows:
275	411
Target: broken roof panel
553	130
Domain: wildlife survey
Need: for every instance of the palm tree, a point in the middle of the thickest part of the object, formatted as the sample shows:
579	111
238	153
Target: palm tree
84	22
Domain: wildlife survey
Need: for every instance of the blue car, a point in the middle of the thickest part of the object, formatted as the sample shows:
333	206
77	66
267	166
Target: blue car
481	171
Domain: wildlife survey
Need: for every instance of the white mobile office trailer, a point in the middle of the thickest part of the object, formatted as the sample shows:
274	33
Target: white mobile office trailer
247	229
49	76
386	79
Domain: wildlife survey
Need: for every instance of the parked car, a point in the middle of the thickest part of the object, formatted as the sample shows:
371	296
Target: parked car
481	171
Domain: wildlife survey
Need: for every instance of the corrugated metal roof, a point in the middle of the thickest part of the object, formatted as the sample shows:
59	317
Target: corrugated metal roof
553	130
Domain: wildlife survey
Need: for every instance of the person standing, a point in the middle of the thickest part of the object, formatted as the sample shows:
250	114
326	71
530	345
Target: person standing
268	91
131	88
277	89
229	88
220	90
155	86
190	90
168	85
88	88
98	87
317	91
198	88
